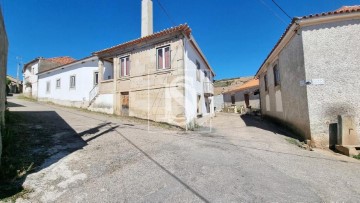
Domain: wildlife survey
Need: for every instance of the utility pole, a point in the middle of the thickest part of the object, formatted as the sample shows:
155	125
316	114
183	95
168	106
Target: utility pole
19	58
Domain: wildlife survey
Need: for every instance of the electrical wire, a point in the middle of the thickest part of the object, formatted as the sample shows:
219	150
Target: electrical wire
281	9
166	13
267	6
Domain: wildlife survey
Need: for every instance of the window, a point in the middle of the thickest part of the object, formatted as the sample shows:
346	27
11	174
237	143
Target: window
96	78
205	73
232	99
266	82
198	69
163	58
125	66
276	75
48	87
198	110
72	81
58	83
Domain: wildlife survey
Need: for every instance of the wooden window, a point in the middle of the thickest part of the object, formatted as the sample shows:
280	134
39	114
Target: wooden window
276	75
125	66
163	58
96	78
198	71
72	81
266	82
48	87
233	99
58	83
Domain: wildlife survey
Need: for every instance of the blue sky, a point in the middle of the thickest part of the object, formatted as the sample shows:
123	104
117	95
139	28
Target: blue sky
235	35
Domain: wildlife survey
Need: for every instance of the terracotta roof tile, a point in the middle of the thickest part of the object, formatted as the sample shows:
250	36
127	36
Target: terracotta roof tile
181	28
62	60
247	85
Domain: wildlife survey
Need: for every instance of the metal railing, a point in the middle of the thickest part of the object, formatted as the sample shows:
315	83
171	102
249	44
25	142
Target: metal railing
208	88
93	93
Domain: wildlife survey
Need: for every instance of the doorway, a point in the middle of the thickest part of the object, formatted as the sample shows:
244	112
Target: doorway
124	103
247	100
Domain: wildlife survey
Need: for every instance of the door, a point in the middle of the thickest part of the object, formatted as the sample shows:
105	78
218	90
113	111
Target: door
246	97
125	103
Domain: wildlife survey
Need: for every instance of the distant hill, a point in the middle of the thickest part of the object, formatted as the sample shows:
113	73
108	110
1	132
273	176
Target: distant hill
223	85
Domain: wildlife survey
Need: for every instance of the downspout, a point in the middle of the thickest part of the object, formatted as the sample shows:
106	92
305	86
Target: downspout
184	65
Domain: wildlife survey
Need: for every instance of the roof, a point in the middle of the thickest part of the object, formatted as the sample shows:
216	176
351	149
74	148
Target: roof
73	62
247	85
181	28
51	63
340	11
62	60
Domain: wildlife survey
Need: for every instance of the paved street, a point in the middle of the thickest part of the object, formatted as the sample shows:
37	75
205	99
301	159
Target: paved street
100	158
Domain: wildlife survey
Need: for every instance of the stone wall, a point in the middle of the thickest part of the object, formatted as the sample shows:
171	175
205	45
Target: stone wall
3	65
332	53
153	94
287	101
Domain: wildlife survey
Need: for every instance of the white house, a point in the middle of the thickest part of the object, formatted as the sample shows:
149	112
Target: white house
40	64
71	84
245	96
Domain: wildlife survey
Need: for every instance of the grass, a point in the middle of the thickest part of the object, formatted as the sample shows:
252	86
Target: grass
357	156
17	158
23	97
292	141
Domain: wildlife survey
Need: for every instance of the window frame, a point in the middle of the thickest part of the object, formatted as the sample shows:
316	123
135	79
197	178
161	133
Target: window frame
163	48
96	73
198	71
70	86
48	87
276	73
56	84
266	82
125	67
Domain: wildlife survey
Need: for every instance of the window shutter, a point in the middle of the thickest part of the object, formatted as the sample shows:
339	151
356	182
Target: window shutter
167	57
160	59
122	67
127	66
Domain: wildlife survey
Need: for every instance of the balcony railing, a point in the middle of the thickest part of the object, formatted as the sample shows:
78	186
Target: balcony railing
208	88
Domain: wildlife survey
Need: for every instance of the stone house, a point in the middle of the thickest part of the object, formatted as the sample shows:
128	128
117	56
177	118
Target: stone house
3	65
245	96
312	74
40	64
163	77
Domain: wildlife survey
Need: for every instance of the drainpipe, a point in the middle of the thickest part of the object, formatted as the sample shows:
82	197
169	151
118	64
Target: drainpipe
184	65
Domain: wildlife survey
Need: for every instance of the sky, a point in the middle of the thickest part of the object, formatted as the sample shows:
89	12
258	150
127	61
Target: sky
235	35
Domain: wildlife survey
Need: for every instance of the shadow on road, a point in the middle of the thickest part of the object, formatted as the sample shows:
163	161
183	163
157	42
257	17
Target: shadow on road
255	121
36	140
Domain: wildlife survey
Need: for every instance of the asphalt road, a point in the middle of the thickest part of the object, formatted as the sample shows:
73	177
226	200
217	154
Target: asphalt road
99	158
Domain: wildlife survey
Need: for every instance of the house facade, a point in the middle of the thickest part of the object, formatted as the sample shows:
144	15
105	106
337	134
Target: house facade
70	84
3	65
15	86
311	75
245	97
162	77
40	64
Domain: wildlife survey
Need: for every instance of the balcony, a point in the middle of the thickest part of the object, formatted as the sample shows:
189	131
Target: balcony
208	89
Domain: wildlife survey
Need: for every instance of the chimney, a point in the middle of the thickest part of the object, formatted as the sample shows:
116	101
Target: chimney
146	18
